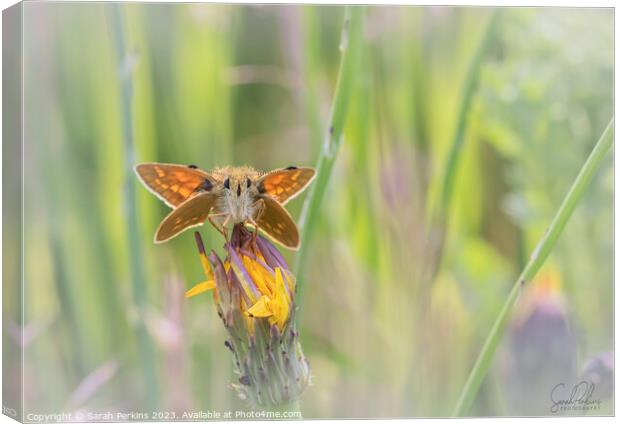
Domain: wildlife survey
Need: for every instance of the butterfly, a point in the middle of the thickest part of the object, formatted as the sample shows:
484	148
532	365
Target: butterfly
229	195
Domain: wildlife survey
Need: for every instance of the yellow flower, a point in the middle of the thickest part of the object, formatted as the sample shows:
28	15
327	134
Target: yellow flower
264	281
254	292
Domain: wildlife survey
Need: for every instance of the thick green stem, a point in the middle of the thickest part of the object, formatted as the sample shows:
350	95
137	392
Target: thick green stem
351	46
537	259
138	280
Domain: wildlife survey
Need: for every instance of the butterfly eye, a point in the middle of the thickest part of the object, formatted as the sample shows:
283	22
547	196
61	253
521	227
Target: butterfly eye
227	183
249	182
206	185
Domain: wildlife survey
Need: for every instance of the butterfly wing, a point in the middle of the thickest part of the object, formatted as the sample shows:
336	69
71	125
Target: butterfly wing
191	213
284	184
173	184
277	223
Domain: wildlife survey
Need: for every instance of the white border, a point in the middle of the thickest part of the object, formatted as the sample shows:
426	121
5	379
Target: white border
483	3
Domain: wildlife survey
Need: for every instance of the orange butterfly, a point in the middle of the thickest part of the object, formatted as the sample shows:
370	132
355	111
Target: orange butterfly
226	195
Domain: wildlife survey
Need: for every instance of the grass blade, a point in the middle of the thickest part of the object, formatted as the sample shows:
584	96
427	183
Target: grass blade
471	82
145	344
440	207
540	254
350	45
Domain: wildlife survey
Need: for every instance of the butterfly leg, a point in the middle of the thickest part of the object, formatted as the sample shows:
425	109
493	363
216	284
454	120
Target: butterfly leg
222	228
260	207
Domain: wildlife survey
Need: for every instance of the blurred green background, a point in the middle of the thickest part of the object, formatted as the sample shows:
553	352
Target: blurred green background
390	326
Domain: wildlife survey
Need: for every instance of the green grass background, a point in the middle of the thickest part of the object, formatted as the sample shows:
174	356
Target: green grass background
390	322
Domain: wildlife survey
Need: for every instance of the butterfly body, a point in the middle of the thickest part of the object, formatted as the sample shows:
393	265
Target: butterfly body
224	196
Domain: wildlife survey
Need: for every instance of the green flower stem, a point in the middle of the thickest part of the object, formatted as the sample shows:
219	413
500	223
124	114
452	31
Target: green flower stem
540	254
351	46
138	286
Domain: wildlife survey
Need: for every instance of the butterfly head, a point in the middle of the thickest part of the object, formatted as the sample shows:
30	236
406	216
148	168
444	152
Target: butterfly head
239	193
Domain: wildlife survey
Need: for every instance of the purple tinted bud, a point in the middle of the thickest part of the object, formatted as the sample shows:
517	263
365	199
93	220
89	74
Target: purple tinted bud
242	274
271	254
541	353
599	370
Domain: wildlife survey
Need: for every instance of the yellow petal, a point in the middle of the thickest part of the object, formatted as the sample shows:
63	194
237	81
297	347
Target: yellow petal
281	307
290	283
206	266
260	256
200	288
261	309
249	322
268	279
248	286
256	274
